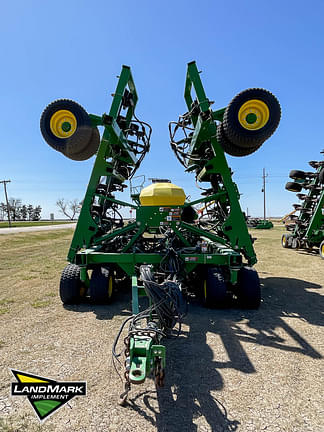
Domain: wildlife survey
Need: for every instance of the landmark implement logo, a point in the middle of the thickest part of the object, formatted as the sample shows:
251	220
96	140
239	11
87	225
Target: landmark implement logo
45	395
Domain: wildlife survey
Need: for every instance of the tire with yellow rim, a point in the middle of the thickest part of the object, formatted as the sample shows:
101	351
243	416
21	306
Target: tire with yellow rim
91	148
101	285
66	127
285	243
248	290
214	288
72	289
251	117
321	250
230	148
293	187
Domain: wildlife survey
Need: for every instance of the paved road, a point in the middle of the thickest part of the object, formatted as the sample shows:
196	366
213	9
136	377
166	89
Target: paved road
36	228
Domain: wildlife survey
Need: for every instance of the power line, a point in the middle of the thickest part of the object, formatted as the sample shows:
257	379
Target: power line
5	190
264	176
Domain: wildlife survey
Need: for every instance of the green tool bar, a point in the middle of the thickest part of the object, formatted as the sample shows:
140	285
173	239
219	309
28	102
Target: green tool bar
219	114
126	204
115	233
213	197
125	79
203	233
135	307
194	80
118	138
144	258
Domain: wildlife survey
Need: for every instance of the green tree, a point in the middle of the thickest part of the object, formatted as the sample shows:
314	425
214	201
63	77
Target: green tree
15	207
23	212
37	213
30	211
3	211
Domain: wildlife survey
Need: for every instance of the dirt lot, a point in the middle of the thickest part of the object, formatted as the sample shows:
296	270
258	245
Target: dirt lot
231	370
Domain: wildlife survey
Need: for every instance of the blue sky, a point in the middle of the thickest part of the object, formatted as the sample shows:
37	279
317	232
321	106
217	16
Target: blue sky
74	49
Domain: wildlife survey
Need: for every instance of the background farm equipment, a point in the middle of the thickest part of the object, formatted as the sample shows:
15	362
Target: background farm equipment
259	223
306	228
169	251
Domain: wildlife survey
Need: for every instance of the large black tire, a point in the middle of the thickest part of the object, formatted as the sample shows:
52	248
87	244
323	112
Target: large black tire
70	141
302	196
248	289
101	285
71	288
297	174
250	127
214	289
90	150
321	250
295	244
293	187
284	241
313	164
230	148
321	176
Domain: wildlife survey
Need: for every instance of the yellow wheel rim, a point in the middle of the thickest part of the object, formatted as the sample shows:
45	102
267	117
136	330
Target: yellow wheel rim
83	290
110	287
284	240
322	249
253	114
63	124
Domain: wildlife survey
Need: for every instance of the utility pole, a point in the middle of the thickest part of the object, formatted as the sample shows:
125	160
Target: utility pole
264	176
5	190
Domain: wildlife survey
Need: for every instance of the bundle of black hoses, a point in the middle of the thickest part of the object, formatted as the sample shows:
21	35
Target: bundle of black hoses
167	309
166	299
171	262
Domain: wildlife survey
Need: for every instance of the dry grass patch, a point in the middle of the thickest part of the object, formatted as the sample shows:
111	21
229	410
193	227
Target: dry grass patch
30	266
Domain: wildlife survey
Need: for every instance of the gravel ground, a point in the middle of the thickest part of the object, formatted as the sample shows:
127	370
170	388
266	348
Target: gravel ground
230	370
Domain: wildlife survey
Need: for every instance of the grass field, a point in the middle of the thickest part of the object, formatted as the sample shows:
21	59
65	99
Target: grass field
28	265
231	370
15	224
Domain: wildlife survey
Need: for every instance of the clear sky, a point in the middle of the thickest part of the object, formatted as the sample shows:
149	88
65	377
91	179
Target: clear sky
75	48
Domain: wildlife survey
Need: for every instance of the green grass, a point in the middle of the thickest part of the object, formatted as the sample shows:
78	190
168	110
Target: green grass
17	224
5	306
4	302
41	303
30	269
3	310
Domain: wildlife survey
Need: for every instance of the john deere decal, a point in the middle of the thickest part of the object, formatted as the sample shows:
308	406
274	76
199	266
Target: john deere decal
45	395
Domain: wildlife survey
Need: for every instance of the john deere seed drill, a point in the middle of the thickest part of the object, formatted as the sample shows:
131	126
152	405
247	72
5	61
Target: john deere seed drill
170	250
307	227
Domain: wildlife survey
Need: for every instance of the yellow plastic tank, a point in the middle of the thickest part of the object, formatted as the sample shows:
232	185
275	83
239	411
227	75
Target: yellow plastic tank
162	194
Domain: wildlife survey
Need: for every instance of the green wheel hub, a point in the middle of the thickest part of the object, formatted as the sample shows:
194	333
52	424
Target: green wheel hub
251	118
66	126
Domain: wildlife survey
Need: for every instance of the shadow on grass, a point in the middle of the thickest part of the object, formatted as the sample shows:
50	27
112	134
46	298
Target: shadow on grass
121	305
193	376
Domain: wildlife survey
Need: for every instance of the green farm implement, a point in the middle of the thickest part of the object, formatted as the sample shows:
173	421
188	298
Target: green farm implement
172	249
259	223
306	228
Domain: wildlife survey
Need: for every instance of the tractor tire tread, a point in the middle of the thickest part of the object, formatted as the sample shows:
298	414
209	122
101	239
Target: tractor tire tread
242	137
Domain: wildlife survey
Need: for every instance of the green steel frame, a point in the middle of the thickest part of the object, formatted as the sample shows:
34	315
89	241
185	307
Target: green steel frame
226	247
313	235
113	147
87	245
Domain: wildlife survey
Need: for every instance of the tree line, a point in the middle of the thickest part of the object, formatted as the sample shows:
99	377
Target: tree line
19	211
